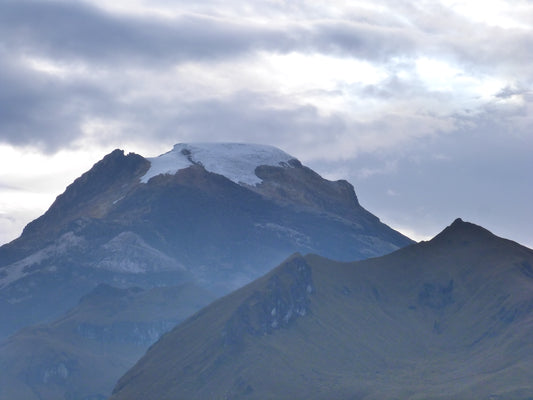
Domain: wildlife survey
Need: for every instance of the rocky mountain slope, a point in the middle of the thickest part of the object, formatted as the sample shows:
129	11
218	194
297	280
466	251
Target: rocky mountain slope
82	354
451	318
218	215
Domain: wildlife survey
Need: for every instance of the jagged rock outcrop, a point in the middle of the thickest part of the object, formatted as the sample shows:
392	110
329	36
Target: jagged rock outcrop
285	298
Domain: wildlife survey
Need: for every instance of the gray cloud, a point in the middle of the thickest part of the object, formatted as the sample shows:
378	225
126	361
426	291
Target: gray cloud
4	186
80	32
253	116
43	112
508	92
361	40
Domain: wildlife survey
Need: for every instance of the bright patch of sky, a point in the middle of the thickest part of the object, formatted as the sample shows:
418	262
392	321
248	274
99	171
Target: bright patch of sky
500	13
298	71
59	70
31	180
468	90
437	75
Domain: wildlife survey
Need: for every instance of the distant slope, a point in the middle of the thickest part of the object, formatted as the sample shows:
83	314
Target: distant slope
218	215
451	318
81	355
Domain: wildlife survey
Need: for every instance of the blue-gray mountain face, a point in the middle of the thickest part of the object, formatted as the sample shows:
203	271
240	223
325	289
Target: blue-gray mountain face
182	228
81	355
214	215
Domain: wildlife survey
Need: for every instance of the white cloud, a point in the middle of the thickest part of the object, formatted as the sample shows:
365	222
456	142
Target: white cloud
504	14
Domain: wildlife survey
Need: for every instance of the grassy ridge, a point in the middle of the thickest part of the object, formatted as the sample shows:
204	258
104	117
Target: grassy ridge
447	319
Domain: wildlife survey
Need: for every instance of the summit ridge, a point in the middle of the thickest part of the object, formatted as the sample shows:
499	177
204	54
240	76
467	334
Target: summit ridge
235	161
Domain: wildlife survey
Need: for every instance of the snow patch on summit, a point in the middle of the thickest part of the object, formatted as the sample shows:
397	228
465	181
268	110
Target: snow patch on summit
235	161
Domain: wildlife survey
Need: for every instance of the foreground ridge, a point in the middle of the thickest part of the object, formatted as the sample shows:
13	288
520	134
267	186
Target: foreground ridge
451	318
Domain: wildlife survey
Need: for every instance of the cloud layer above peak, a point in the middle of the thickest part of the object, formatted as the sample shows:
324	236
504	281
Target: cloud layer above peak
333	83
70	66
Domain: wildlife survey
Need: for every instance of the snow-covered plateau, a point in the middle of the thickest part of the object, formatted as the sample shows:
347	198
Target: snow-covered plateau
235	161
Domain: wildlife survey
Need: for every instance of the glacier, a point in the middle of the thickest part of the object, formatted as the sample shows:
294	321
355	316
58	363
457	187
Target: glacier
235	161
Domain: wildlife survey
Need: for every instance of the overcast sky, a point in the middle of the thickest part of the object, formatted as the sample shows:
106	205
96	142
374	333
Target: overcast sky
425	106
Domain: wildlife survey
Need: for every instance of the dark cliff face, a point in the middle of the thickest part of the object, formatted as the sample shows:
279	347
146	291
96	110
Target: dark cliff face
285	298
90	195
301	186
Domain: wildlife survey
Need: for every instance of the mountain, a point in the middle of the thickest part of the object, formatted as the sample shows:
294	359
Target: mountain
217	215
82	354
451	318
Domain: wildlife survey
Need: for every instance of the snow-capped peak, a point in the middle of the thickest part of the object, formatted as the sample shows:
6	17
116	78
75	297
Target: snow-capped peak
235	161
